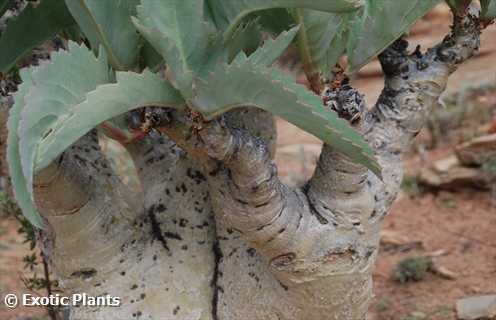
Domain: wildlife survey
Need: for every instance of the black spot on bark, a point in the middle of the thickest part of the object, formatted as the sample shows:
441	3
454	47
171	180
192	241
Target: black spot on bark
251	252
176	310
183	222
148	151
214	172
373	214
195	175
204	224
81	160
172	235
254	276
271	239
233	251
183	188
156	231
84	273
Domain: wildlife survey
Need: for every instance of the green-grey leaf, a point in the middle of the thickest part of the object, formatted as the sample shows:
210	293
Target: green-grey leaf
235	11
488	9
453	3
267	54
5	5
33	26
275	20
380	23
131	91
21	192
361	34
109	23
244	84
321	40
180	75
246	38
177	30
270	51
459	6
150	58
56	87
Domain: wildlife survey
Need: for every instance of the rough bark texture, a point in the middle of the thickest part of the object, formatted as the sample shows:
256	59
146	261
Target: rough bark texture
3	146
215	234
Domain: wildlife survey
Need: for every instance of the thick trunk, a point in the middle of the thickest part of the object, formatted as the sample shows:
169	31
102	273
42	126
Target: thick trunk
215	234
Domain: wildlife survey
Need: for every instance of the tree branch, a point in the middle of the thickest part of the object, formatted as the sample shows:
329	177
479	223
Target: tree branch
338	191
413	84
74	175
87	208
249	180
244	188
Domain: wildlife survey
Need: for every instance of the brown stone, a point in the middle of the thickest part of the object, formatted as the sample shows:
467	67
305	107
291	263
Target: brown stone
477	151
449	173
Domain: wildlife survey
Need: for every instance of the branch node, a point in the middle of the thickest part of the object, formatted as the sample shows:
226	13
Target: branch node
346	101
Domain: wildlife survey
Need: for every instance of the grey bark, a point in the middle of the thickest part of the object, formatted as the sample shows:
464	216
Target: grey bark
215	234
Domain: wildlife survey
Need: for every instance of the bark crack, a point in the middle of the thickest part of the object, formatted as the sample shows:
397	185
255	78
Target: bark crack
313	210
215	278
156	230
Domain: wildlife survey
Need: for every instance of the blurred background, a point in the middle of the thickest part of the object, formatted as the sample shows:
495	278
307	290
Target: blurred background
438	244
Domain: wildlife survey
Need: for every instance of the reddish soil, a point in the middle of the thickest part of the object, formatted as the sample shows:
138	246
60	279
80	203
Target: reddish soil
12	251
464	232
